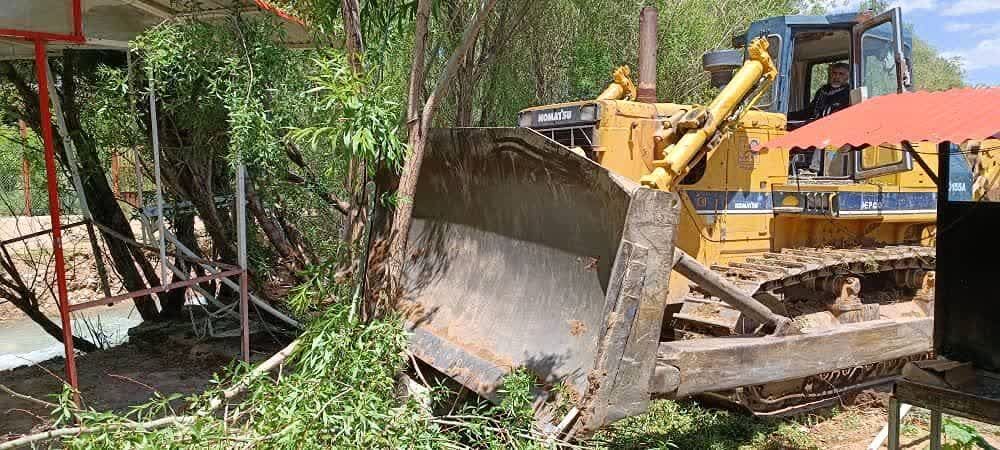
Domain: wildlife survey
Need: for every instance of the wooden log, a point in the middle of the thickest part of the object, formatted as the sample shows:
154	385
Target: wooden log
714	364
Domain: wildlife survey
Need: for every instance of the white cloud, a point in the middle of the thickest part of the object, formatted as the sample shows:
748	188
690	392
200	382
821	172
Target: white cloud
956	27
848	6
914	5
967	7
986	54
974	29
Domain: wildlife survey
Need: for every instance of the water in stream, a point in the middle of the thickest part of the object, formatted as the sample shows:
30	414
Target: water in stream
22	342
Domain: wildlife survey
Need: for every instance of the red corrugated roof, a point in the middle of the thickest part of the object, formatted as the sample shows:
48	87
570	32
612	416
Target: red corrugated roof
956	116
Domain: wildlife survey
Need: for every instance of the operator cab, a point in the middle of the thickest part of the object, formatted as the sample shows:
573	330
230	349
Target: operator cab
876	49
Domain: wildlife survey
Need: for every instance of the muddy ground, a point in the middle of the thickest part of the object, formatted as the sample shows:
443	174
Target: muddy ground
166	361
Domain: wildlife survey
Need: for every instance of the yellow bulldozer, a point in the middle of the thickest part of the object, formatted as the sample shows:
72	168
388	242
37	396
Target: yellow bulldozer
625	249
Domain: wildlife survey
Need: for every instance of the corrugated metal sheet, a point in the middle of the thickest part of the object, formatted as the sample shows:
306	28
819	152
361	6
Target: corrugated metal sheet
956	116
110	24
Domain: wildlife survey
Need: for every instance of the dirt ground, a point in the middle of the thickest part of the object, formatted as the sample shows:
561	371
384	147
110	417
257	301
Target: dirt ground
122	376
33	258
169	360
853	428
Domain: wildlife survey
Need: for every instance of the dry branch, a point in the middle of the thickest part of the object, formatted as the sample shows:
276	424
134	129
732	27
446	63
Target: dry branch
270	364
29	398
70	431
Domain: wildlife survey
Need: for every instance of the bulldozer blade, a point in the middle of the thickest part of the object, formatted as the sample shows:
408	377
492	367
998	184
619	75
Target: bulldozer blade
524	254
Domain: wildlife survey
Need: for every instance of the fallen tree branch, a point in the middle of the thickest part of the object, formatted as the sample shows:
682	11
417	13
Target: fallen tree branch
270	364
26	397
276	360
69	431
310	179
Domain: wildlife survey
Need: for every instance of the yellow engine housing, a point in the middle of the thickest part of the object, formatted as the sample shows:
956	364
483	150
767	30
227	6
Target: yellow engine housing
729	210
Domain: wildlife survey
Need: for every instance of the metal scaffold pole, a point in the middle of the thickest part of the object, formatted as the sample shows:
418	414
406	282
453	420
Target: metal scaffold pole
157	179
41	63
241	230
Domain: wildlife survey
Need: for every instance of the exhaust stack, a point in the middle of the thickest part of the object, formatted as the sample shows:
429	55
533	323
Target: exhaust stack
647	55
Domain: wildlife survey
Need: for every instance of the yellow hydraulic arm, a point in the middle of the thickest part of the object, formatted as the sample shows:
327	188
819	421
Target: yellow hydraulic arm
621	88
703	126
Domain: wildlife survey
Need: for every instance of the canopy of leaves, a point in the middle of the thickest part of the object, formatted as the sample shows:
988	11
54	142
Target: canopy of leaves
933	72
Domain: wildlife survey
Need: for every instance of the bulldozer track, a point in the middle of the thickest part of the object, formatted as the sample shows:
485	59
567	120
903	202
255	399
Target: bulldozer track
769	278
773	271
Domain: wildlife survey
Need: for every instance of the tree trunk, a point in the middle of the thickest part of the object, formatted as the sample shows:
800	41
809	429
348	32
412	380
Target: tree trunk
352	29
172	303
290	255
354	225
411	166
101	199
420	115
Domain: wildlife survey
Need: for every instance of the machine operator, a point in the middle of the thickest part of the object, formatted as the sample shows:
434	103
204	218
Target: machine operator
829	98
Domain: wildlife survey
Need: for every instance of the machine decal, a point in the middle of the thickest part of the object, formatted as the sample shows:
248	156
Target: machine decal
558	117
748	159
863	203
847	203
960	177
731	202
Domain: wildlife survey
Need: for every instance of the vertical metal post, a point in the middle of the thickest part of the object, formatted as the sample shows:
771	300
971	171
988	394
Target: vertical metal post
935	430
25	168
139	201
241	230
894	419
51	175
115	174
67	144
74	171
159	186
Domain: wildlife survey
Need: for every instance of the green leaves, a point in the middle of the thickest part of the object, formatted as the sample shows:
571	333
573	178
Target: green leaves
231	79
354	119
963	436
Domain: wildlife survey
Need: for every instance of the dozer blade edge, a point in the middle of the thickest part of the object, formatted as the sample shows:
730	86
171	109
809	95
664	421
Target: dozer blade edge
524	254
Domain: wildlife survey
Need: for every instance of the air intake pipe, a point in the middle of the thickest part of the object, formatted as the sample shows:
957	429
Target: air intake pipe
647	55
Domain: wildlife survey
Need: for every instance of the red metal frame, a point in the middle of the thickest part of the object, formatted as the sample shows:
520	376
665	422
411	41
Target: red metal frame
266	6
40	39
57	249
76	37
162	288
77	20
41	36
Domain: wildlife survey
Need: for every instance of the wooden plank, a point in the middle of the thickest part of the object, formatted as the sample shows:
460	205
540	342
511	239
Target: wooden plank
724	363
950	401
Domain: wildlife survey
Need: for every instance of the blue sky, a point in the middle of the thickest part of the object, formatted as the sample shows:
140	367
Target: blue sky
967	29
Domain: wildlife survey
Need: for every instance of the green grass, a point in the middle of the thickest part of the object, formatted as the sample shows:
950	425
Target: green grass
687	426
